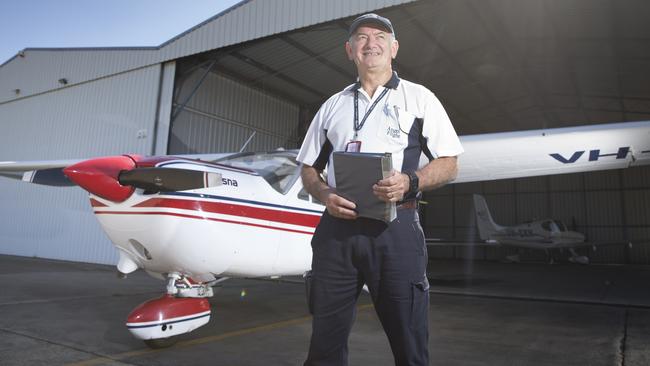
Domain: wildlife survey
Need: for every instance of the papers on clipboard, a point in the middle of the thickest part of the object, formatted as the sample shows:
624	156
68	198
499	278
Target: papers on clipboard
355	174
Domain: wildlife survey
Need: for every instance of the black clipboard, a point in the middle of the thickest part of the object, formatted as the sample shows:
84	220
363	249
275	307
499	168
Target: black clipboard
355	174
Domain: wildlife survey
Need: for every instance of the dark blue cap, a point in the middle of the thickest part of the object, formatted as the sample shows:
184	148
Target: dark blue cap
371	18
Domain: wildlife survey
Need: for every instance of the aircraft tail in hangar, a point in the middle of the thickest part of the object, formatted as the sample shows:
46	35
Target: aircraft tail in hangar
486	225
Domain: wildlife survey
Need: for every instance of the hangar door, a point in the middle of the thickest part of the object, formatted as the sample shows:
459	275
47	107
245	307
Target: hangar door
215	113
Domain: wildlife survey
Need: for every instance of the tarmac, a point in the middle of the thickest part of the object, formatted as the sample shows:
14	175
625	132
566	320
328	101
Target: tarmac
481	313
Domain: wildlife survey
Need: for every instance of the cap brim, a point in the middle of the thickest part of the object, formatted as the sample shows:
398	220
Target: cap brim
375	22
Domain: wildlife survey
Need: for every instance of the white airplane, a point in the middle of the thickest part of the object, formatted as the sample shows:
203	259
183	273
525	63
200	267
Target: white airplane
545	234
195	222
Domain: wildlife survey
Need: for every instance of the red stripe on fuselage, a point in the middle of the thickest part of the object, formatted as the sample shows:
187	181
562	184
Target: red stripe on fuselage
202	218
285	217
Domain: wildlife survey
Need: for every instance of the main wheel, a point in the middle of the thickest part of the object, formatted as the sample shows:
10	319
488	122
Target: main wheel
161	342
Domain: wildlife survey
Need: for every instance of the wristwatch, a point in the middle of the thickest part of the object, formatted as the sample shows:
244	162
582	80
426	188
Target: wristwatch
414	182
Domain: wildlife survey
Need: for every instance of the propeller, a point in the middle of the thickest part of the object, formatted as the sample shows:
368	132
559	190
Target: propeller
116	177
168	179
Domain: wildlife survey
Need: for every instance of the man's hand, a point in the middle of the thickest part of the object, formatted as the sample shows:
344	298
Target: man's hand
393	188
338	206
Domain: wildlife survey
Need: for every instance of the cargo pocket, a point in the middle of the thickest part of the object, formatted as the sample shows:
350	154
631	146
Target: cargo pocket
420	303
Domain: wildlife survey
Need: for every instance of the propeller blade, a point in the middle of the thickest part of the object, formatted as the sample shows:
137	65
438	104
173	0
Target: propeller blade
168	179
48	177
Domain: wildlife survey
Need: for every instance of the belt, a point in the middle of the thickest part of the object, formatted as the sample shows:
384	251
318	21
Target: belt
410	204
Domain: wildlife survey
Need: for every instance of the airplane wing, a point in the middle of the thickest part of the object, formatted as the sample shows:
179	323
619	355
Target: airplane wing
595	245
433	242
487	156
494	243
553	151
45	172
107	173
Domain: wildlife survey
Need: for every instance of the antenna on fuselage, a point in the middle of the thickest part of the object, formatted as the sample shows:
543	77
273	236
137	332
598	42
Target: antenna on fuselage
247	141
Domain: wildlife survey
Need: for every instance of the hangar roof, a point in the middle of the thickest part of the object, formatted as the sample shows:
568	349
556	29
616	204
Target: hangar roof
497	65
37	70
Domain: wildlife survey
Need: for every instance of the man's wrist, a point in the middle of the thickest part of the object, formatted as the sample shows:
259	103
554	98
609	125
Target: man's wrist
413	183
324	193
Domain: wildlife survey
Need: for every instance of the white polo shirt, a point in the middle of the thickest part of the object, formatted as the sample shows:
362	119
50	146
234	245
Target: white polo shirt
409	122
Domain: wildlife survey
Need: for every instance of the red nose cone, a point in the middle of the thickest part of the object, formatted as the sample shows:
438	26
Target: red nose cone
100	176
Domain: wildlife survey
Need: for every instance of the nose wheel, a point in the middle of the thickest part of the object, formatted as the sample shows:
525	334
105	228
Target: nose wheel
185	307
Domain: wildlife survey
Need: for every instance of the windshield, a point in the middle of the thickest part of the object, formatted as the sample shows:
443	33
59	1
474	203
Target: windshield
278	168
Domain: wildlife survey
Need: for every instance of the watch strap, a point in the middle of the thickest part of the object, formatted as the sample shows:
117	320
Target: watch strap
414	183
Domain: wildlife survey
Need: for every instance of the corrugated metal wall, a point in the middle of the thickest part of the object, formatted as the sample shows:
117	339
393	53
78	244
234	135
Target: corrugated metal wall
223	114
607	206
40	70
102	117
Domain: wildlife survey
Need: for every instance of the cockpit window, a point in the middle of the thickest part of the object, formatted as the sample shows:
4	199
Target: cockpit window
554	227
279	168
303	195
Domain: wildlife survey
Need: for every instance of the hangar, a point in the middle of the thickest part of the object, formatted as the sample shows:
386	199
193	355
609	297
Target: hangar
264	67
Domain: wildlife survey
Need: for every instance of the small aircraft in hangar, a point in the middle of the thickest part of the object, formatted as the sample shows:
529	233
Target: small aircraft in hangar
194	221
545	234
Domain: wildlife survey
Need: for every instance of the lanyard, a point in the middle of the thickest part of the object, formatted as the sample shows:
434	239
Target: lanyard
358	126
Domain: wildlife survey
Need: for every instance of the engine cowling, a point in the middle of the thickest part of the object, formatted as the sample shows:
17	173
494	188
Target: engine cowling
100	176
168	316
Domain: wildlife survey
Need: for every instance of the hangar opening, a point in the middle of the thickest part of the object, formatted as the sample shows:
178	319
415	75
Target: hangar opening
496	66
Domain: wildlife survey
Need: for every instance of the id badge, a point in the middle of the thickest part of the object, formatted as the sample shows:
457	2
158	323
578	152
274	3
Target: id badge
353	146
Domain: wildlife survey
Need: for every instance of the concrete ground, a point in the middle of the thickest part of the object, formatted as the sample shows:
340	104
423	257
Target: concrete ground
61	313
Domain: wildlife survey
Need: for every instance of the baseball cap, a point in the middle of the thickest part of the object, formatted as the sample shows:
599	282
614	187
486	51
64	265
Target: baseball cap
371	18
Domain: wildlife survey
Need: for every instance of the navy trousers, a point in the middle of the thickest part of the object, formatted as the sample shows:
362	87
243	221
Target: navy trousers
391	259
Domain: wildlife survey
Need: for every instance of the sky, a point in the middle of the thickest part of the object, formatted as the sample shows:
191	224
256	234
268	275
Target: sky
98	23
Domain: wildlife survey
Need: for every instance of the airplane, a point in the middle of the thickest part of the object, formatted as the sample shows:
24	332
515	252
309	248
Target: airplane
194	221
544	234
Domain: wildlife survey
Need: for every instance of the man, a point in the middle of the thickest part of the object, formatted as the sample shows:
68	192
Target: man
379	113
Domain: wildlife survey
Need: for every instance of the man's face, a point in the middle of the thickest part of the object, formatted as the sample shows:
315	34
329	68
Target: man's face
371	48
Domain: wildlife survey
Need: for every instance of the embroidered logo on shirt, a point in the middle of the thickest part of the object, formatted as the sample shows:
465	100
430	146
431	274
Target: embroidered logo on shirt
393	132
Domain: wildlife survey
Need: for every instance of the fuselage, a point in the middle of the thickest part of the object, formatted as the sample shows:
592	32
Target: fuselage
257	223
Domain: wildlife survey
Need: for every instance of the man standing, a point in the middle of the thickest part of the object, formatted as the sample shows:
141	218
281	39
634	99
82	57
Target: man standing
379	113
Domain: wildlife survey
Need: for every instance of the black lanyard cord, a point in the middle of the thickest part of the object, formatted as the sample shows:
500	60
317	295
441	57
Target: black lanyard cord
358	126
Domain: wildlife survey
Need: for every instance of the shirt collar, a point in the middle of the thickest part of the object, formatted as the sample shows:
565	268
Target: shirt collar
392	83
